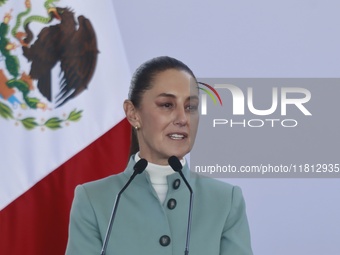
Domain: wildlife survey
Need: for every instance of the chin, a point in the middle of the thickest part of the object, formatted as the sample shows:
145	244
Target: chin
176	150
178	154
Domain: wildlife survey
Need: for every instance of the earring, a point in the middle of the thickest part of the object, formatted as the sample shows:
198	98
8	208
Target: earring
136	127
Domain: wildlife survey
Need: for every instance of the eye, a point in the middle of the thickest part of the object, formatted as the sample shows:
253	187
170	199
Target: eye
167	105
192	107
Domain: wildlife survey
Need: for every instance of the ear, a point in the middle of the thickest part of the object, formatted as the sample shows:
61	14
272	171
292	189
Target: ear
131	113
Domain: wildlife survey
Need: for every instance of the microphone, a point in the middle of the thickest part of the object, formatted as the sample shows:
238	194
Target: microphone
177	167
138	168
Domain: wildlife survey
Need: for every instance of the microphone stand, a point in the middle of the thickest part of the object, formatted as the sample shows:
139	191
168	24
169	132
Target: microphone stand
177	167
138	168
186	252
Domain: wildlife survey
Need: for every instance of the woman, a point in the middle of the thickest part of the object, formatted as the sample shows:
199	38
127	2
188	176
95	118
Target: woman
152	215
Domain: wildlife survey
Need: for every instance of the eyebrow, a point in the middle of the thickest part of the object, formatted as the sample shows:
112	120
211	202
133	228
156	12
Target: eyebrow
173	96
166	95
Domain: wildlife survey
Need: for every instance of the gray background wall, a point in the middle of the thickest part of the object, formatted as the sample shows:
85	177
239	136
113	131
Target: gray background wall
253	39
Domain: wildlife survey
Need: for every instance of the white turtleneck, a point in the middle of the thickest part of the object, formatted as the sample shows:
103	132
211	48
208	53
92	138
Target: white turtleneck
158	174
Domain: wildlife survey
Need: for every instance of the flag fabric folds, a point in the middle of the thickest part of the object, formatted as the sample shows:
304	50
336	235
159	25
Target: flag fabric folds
63	79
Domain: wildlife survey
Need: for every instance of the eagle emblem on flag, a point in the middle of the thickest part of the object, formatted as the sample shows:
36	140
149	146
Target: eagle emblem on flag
26	83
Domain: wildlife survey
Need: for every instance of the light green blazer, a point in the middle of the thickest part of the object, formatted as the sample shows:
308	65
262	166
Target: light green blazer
144	226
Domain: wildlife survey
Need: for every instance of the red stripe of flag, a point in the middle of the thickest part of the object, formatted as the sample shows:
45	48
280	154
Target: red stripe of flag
37	222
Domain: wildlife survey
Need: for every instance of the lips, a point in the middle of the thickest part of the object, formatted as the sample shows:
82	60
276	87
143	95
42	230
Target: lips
177	136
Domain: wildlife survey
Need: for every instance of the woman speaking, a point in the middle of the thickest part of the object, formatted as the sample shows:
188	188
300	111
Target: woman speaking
157	213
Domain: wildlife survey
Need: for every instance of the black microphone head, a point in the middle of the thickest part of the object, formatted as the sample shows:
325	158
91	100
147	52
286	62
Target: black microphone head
175	164
140	166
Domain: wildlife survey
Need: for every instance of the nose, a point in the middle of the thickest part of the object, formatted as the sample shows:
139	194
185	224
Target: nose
181	117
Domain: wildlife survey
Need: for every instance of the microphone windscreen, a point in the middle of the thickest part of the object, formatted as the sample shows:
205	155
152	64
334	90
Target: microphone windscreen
175	163
140	166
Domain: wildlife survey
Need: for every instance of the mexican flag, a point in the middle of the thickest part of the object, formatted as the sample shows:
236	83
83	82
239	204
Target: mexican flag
63	79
